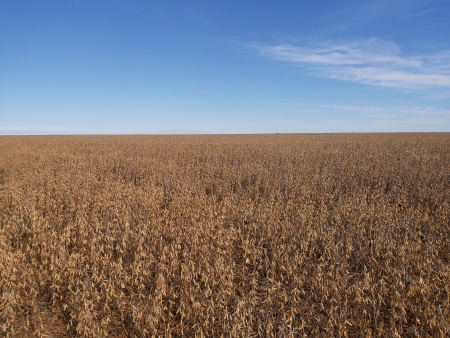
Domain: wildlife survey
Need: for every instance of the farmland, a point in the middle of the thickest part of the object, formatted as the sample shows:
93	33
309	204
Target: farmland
225	235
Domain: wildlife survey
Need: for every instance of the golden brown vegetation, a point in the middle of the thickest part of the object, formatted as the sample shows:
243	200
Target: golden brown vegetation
268	235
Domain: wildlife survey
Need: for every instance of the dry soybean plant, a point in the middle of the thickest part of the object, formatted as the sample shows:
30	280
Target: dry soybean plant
225	236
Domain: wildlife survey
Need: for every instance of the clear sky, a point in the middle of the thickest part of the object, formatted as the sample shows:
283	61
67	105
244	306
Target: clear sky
248	66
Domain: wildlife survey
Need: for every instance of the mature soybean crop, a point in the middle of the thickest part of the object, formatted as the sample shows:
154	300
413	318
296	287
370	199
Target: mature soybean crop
257	235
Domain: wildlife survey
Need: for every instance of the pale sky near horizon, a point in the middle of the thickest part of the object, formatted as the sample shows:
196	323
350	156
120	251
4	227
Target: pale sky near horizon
157	67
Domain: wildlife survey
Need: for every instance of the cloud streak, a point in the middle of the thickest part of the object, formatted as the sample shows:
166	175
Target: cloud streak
32	130
368	118
373	62
368	111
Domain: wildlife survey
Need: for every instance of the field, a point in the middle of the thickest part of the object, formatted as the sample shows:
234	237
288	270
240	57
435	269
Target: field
237	236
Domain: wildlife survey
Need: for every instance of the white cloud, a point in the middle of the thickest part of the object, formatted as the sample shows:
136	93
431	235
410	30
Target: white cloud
374	111
369	118
32	130
374	62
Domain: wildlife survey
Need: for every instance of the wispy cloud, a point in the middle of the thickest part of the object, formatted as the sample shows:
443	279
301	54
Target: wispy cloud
369	111
373	62
33	130
371	118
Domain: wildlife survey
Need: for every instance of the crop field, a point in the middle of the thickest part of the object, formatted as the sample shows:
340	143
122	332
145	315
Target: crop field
321	235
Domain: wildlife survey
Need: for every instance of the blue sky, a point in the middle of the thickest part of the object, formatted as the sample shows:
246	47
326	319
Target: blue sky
156	67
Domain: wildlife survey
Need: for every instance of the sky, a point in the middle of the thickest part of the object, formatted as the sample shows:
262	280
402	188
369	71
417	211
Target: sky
248	66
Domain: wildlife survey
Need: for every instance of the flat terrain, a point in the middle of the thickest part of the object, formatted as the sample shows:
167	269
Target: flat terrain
244	235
